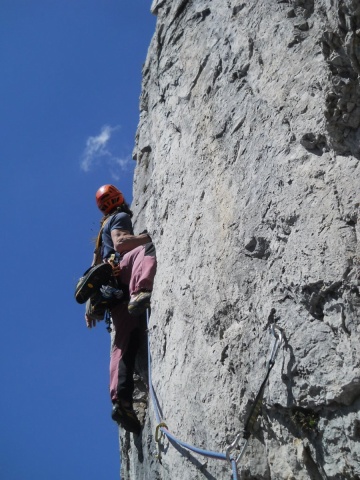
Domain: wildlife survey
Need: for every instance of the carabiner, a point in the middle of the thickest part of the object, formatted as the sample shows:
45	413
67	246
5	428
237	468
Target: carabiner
158	436
232	446
277	332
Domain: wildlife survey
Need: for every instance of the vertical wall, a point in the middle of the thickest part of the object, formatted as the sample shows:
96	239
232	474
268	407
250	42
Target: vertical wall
247	177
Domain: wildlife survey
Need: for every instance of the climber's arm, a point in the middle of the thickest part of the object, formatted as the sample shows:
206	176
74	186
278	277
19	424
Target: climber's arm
124	242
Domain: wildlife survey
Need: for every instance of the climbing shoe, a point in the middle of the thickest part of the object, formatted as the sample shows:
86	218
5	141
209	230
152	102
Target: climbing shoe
91	281
139	303
126	418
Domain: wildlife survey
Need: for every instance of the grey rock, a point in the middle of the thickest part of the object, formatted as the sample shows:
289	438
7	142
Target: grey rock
247	178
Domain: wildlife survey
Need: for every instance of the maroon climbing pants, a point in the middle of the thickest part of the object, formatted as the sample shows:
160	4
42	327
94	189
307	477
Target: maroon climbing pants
138	268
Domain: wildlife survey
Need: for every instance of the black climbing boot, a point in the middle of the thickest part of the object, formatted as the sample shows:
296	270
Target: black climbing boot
126	418
92	280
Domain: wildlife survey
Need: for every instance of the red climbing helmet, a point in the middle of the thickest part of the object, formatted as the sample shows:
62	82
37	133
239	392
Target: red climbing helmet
108	197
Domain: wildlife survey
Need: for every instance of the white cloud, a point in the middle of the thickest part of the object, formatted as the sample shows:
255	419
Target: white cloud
97	149
122	164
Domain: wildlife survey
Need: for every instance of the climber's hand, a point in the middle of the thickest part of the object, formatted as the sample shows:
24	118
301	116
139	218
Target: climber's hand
115	270
90	321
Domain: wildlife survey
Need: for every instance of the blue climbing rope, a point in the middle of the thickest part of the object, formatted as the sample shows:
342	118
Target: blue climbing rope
200	451
162	427
234	469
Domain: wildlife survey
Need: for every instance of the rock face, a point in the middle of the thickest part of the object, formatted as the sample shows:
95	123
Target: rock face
247	178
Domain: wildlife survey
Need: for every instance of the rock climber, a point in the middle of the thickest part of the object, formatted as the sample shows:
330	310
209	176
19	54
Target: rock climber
120	280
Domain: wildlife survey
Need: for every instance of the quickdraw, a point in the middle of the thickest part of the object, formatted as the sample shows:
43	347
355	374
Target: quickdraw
256	407
162	429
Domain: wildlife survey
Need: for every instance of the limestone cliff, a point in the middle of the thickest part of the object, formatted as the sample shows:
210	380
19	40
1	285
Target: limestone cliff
247	178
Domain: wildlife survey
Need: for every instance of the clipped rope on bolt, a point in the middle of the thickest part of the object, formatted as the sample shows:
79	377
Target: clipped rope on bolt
256	407
158	436
162	427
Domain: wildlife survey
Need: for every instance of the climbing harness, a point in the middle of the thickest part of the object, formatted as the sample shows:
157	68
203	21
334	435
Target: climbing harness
162	429
256	407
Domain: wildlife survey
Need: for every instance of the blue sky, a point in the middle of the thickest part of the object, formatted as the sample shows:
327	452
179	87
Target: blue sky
69	91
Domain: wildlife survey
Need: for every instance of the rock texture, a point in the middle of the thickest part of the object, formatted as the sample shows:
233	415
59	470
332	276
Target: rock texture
247	178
